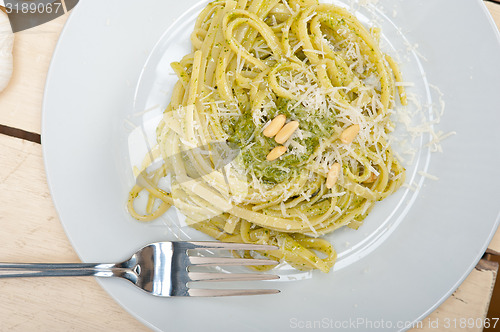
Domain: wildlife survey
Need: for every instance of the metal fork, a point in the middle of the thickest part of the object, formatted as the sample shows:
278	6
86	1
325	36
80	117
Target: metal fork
161	268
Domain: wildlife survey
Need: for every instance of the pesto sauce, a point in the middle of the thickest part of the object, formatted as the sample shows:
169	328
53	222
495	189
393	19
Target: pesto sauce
255	146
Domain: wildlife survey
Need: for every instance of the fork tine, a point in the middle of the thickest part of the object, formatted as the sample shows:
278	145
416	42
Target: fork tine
208	276
207	261
230	292
229	246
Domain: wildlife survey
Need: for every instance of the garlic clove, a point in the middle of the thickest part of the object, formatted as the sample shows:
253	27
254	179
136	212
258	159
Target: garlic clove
6	46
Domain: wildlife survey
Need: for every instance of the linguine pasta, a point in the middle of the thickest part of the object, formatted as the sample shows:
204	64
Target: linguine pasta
299	61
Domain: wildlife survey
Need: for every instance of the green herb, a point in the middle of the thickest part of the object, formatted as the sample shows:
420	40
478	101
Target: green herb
255	147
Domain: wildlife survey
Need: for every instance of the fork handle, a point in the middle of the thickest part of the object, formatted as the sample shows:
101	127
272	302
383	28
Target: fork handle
17	270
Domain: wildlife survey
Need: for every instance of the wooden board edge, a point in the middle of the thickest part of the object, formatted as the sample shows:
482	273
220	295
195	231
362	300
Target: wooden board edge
486	265
492	251
494	245
492	267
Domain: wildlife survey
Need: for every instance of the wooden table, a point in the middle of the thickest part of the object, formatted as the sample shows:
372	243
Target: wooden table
30	228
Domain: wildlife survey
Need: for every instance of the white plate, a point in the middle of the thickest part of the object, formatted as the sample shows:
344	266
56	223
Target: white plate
415	248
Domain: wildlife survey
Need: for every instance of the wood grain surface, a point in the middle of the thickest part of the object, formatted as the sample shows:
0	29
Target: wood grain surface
31	230
21	101
494	9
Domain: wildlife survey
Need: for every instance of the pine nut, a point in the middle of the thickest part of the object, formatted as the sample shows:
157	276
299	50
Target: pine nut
276	153
287	131
333	175
349	134
275	126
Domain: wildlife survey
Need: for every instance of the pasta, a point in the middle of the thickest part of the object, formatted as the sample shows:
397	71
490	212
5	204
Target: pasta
321	165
